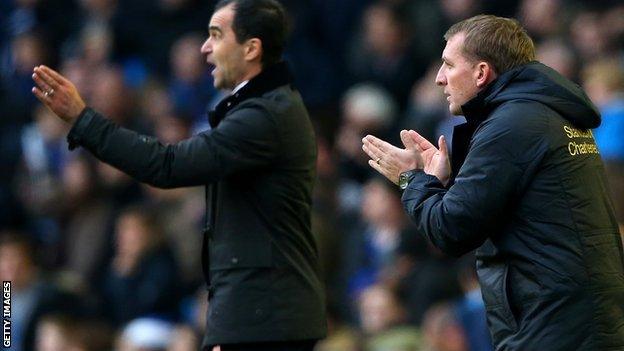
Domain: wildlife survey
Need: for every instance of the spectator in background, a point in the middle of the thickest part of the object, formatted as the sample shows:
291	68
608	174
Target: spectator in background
588	35
27	49
137	41
341	336
61	332
542	18
54	333
369	247
383	53
87	219
425	275
469	310
146	334
184	338
181	217
443	331
604	82
111	95
141	278
383	319
190	86
43	157
32	296
558	55
367	108
433	17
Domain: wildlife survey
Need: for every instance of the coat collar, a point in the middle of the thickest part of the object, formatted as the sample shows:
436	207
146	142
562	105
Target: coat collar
478	108
268	79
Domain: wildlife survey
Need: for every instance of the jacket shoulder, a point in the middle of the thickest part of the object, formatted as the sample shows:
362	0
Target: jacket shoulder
518	129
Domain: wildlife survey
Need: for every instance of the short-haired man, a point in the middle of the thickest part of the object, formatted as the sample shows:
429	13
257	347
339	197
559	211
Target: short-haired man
258	162
527	189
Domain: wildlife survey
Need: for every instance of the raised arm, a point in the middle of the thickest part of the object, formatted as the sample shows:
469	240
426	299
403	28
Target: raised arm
246	139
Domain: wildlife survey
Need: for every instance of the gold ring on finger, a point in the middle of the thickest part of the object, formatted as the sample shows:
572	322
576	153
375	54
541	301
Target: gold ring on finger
377	160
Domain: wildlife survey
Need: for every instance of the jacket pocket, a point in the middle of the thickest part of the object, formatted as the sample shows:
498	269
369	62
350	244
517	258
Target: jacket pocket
511	311
501	320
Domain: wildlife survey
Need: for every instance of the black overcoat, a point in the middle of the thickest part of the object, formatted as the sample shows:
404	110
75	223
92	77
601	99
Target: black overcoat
258	163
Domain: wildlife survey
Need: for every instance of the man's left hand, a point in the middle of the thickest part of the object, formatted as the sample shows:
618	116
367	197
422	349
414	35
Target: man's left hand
57	93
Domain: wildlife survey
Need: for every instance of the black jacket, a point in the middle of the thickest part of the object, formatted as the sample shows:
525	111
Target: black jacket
531	195
258	160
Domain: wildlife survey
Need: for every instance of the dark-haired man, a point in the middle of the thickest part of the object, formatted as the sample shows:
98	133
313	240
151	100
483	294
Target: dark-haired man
258	162
527	189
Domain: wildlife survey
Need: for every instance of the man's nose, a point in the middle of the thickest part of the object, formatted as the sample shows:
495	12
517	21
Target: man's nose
206	47
440	78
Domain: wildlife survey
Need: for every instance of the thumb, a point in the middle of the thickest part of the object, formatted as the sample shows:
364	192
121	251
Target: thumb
408	141
442	146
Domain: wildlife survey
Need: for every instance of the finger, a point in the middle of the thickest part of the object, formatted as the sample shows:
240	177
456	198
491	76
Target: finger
41	84
422	141
54	74
374	148
408	141
379	168
40	95
370	152
50	81
442	145
379	144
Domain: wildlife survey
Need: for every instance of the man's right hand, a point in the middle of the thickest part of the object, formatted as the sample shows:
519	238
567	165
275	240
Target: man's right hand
57	93
434	161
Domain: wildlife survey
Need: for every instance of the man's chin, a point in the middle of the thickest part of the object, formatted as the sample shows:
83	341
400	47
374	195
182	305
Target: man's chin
456	110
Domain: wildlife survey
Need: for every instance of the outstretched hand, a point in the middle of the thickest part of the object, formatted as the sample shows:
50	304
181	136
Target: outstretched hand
57	93
418	153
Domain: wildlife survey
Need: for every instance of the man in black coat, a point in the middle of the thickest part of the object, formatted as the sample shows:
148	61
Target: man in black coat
258	162
528	190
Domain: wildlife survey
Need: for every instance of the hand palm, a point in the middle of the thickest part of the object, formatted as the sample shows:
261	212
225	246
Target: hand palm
418	153
432	160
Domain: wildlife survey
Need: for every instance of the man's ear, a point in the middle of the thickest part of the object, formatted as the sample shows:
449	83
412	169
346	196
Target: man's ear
253	49
484	74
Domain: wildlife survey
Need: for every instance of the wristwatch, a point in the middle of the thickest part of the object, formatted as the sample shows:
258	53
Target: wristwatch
405	178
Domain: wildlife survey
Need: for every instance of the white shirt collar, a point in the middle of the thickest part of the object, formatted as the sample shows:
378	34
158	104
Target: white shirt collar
238	87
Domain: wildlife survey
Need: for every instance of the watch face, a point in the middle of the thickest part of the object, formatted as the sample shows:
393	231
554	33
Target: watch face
403	181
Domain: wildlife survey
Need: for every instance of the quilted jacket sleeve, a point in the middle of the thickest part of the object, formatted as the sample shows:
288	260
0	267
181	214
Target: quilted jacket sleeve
505	152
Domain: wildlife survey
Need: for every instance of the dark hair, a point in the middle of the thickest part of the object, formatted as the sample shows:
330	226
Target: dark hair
262	19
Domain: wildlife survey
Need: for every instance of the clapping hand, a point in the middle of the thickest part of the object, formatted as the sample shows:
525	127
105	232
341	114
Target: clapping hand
434	161
418	153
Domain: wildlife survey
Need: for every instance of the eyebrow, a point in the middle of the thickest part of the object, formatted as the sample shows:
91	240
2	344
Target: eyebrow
215	28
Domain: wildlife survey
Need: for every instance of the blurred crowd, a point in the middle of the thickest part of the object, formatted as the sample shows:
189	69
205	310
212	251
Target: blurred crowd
98	261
